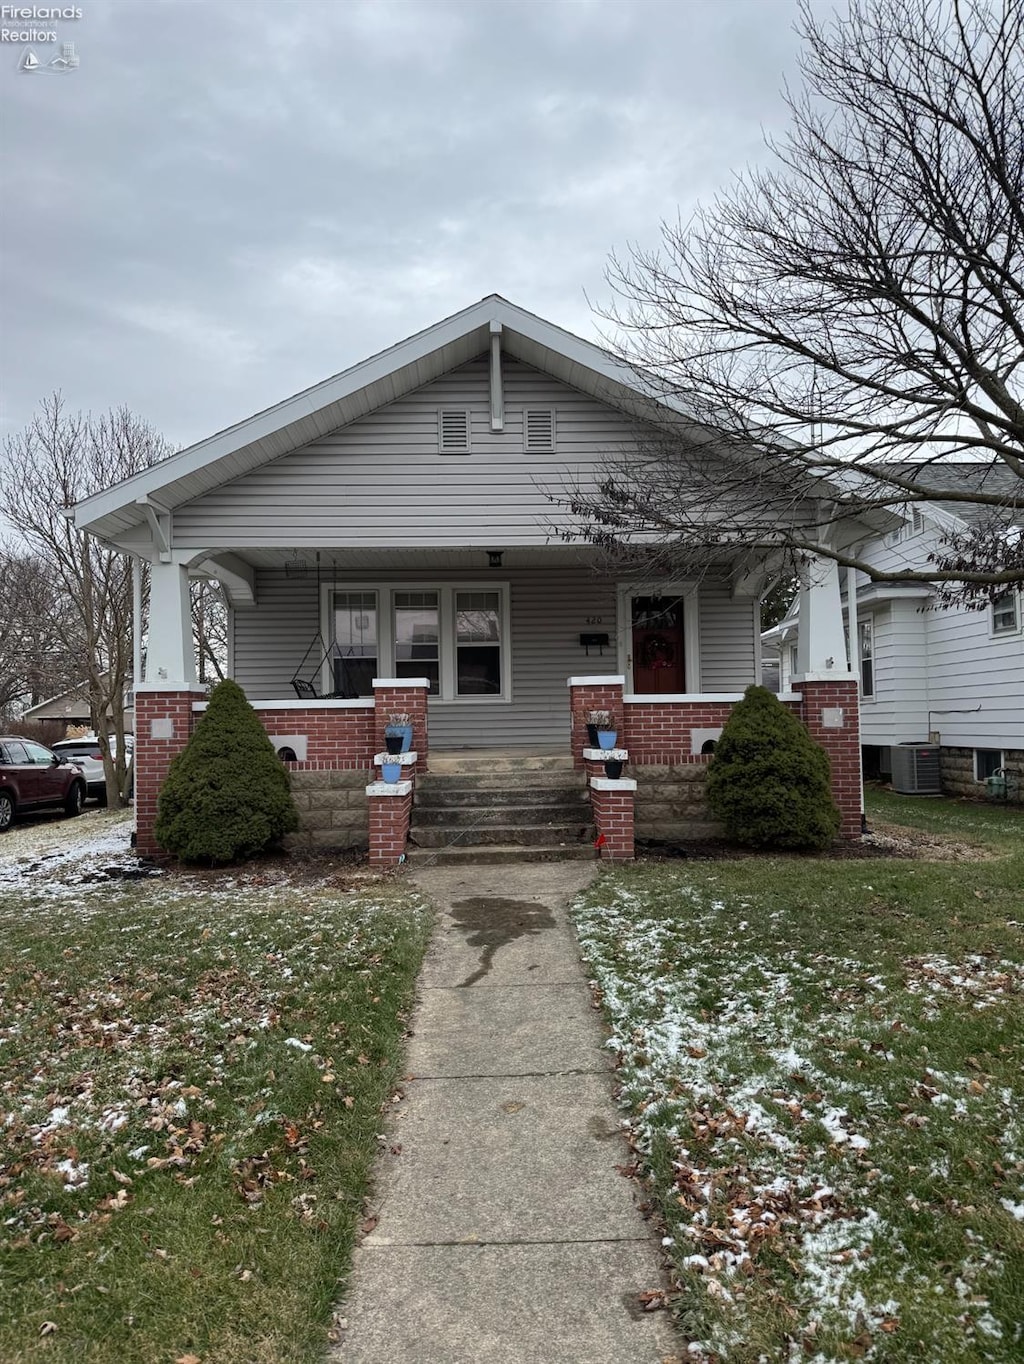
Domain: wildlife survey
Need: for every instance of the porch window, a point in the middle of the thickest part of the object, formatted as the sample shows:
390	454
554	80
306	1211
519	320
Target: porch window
867	658
418	637
477	643
355	636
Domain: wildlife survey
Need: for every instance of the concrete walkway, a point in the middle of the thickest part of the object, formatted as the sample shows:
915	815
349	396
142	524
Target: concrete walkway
505	1233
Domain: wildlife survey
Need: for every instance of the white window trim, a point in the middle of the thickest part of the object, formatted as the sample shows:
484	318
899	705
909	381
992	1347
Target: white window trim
1001	763
1014	630
446	590
625	592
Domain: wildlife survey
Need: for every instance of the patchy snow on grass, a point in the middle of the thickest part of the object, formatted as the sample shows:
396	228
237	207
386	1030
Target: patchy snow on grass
757	1146
64	858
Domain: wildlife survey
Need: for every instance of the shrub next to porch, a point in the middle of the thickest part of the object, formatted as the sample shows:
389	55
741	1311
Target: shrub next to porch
227	794
769	783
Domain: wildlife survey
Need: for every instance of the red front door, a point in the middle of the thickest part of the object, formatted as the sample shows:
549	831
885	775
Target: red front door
659	664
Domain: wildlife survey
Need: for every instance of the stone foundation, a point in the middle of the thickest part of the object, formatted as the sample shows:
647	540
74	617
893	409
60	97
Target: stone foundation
956	770
671	803
332	809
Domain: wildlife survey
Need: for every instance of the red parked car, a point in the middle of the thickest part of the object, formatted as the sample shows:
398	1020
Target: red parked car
33	777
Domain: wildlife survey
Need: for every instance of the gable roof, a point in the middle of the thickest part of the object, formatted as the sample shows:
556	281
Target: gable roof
356	391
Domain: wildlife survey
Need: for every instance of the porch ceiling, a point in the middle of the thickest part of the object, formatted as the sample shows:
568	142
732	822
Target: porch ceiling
409	556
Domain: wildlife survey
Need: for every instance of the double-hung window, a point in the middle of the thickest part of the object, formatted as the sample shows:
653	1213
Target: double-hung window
453	634
1006	614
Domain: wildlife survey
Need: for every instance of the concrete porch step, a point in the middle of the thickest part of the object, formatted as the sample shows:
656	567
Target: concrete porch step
492	854
487	761
521	784
449	809
525	835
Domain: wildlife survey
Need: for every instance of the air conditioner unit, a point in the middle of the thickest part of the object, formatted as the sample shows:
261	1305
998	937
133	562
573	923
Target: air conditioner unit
915	769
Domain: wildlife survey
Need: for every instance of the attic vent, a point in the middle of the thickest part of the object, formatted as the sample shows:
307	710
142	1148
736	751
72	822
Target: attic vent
916	519
539	428
453	430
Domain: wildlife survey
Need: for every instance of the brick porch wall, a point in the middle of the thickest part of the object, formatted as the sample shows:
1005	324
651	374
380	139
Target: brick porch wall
340	735
837	702
660	732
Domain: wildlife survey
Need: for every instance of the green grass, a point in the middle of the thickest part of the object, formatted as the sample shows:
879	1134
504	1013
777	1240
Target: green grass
822	1063
207	1059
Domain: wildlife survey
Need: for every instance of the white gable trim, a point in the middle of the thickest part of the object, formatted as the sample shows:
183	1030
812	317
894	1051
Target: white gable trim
314	412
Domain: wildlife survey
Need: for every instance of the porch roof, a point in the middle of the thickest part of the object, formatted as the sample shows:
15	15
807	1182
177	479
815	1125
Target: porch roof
333	403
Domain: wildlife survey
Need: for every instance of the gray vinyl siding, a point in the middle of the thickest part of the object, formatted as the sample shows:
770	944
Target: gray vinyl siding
942	670
381	481
727	626
547	612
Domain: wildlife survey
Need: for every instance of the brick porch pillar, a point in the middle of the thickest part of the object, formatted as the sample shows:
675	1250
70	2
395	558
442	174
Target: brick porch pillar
612	804
163	723
829	709
407	695
390	813
593	693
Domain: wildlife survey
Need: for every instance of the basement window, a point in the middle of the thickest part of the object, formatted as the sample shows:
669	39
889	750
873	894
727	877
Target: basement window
987	762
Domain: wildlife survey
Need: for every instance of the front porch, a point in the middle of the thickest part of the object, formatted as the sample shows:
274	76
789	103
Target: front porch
487	797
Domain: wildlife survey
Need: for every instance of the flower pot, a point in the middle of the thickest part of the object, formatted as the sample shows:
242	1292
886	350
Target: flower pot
406	733
606	738
613	768
393	743
391	772
592	735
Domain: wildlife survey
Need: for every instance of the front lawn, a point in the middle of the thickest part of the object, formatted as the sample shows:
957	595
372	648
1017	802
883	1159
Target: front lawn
192	1077
821	1061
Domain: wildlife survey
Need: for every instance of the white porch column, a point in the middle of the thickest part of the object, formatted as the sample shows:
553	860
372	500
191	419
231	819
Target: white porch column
170	655
821	645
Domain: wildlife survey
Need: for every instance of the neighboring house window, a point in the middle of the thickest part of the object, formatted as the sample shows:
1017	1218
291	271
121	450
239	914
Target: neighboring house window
792	658
1006	614
454	635
986	762
867	658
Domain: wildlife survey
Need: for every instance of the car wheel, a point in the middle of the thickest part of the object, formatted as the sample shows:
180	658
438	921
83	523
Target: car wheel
6	811
76	796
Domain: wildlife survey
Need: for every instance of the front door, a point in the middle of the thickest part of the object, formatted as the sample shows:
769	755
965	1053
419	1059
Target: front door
658	654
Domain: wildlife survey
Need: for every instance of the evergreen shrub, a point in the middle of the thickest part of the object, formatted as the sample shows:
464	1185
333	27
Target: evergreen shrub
768	781
227	795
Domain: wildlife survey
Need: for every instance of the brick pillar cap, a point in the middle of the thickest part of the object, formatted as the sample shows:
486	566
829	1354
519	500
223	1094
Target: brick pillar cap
824	677
403	682
600	680
613	783
389	788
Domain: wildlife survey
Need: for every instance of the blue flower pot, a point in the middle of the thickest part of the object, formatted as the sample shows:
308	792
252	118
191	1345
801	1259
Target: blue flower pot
606	738
391	772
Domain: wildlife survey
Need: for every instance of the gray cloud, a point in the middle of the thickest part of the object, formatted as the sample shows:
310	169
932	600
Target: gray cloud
228	201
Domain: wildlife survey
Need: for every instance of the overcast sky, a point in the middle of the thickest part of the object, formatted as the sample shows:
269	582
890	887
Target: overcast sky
229	200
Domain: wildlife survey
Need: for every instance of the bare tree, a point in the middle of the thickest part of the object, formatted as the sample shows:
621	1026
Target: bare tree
209	628
34	622
854	314
58	459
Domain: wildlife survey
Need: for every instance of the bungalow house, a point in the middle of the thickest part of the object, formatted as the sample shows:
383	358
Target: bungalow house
951	678
387	542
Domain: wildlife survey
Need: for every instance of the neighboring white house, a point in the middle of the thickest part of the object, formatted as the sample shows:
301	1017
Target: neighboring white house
951	677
